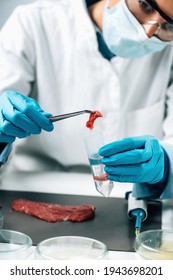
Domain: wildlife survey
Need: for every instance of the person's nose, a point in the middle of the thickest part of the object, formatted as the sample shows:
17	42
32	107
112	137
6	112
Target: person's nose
150	29
152	26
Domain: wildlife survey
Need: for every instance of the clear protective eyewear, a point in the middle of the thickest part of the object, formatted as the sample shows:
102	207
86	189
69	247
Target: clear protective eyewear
164	30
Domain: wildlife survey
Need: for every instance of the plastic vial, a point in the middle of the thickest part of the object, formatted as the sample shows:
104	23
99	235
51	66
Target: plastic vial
94	141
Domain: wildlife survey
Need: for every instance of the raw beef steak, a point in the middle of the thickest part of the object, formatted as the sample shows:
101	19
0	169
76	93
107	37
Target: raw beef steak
54	212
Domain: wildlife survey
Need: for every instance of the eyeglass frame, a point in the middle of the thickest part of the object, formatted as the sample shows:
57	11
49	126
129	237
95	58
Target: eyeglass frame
155	22
159	25
155	6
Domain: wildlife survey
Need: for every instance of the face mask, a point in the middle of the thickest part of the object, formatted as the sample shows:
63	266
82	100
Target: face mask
125	36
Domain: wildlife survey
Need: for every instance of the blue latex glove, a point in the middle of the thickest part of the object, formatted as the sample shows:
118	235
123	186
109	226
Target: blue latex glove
135	160
21	116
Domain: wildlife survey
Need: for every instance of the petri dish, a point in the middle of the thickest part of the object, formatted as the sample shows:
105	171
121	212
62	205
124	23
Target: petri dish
71	248
14	245
155	245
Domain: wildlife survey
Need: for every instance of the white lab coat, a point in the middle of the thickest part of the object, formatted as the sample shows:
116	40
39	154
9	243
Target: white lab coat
49	51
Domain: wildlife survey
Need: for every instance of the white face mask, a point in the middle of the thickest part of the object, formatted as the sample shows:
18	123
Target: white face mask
125	36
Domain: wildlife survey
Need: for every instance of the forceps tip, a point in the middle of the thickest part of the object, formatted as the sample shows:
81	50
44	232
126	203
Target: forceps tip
69	115
89	111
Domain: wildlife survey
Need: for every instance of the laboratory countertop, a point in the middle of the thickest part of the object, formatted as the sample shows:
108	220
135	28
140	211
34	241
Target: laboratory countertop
75	183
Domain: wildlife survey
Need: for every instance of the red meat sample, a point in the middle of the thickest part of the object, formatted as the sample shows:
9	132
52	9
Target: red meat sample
103	177
93	116
54	212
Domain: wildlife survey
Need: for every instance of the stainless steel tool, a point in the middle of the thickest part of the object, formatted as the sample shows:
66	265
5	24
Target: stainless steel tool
68	115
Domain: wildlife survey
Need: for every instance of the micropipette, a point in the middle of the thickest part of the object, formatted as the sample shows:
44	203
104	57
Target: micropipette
137	210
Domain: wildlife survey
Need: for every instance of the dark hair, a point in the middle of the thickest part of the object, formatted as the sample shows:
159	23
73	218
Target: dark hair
91	2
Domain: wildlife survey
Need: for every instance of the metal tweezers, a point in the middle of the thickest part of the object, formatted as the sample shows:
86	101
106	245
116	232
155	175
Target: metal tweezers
69	115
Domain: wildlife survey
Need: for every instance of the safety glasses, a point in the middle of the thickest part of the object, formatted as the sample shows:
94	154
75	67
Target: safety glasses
164	31
155	6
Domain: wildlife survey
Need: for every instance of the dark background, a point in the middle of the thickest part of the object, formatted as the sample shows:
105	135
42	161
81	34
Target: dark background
110	224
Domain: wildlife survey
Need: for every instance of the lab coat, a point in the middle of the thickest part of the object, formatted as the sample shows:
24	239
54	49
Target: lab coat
49	51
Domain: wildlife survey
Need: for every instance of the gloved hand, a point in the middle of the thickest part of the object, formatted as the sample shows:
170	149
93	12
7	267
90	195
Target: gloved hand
135	160
21	116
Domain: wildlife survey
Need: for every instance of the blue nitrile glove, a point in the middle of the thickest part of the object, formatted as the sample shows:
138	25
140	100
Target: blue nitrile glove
21	116
135	160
